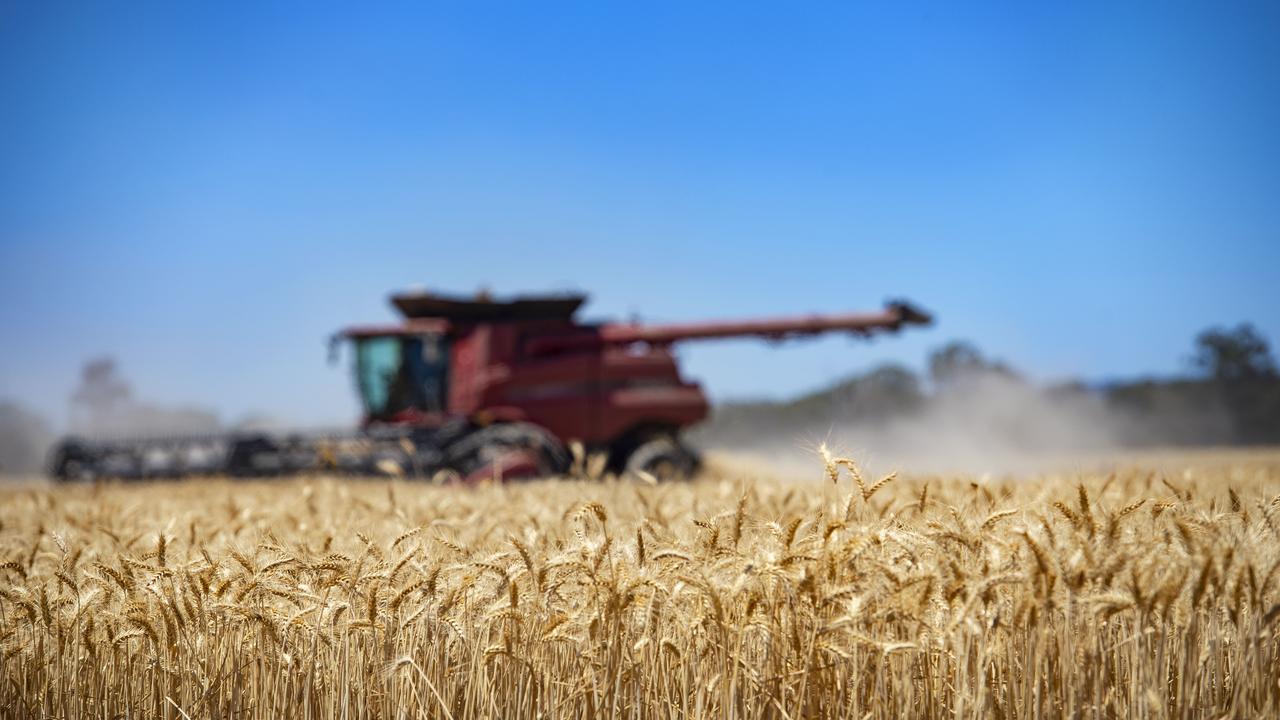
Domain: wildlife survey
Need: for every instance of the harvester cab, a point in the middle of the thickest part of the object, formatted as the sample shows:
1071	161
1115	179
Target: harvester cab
400	373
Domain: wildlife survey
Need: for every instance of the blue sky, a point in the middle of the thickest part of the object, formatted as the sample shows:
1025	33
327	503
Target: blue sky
207	193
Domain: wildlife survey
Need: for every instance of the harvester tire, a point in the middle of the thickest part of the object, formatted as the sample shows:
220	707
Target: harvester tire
663	458
487	446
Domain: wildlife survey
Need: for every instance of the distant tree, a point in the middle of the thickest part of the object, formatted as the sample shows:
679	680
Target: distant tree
881	392
1234	355
959	361
884	392
1241	371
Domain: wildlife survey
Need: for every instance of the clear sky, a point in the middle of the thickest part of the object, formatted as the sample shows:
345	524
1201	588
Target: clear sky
207	193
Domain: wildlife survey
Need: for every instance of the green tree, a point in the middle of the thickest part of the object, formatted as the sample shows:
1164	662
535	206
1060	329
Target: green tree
1239	366
959	361
1232	355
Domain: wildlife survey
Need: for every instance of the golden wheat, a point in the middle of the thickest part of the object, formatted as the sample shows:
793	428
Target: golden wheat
923	597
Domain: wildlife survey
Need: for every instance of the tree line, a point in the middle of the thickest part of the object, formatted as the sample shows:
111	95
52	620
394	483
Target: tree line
1229	395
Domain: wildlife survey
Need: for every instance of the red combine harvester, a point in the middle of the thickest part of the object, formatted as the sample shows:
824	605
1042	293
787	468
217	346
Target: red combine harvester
485	389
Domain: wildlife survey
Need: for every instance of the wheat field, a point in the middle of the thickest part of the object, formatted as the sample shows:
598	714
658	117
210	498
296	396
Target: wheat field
1150	591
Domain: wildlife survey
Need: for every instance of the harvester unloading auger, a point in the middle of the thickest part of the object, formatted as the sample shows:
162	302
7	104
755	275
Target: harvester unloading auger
484	389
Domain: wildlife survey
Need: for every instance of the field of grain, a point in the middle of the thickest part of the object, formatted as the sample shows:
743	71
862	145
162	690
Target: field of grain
1151	591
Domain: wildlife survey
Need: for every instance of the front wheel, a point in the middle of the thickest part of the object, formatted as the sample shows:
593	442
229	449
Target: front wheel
508	451
664	458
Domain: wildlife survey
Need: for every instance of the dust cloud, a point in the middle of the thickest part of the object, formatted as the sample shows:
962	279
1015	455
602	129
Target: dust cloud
104	406
988	423
24	440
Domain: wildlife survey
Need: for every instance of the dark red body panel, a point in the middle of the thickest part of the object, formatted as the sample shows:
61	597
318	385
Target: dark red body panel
594	396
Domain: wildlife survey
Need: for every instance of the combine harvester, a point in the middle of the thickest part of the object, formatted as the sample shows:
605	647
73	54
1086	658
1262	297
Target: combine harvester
483	389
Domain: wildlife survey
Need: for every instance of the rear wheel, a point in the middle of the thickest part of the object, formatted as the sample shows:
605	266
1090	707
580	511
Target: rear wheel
664	458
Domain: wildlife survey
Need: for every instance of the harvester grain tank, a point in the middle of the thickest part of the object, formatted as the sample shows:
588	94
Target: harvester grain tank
483	388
